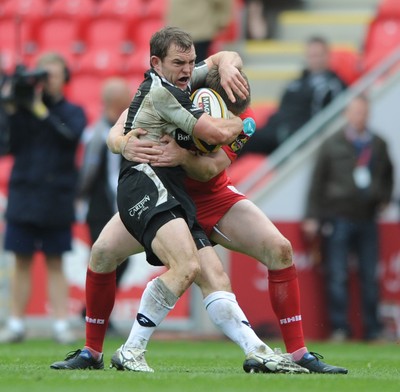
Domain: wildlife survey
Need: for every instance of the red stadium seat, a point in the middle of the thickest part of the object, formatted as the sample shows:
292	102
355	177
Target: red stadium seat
388	9
108	32
84	89
132	10
346	63
134	81
383	37
16	43
154	9
63	25
101	62
18	20
16	33
27	9
61	34
128	10
71	8
262	112
139	61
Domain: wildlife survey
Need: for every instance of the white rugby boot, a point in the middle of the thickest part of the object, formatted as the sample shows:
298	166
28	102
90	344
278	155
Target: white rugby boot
130	358
261	361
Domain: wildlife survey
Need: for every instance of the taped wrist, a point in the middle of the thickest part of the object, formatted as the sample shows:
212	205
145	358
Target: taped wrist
249	127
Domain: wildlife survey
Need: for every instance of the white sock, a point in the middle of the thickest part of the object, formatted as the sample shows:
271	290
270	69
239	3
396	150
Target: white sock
156	302
16	324
226	314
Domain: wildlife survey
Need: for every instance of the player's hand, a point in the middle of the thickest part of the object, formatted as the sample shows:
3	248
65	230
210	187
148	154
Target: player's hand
172	155
233	81
138	150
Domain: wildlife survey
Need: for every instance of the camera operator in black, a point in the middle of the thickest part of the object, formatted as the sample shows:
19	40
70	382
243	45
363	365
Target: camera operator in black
44	133
3	115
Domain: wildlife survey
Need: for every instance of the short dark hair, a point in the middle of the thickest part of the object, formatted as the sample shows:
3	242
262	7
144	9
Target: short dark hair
213	81
317	39
161	41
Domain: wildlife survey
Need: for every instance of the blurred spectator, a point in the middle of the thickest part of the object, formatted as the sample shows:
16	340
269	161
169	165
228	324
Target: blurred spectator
262	15
100	170
3	114
351	184
302	99
44	132
202	19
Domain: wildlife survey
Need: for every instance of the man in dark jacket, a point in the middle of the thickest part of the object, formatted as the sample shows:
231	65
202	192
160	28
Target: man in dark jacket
351	184
3	115
302	99
44	132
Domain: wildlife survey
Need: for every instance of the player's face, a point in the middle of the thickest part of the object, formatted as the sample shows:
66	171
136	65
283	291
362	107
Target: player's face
177	67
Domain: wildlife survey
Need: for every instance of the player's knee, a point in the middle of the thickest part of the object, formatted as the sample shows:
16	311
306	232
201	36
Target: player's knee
187	270
281	254
191	270
103	258
278	254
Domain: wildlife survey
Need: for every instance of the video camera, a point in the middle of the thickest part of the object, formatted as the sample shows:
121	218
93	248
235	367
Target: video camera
23	83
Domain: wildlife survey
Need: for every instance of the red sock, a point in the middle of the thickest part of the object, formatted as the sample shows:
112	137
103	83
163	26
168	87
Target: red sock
100	298
284	294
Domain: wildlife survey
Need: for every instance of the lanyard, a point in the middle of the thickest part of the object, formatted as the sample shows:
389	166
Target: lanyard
365	156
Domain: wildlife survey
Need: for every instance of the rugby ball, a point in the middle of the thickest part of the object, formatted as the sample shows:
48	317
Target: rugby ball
212	103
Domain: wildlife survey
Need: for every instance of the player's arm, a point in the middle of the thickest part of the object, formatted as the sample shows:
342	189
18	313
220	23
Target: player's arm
176	108
142	151
217	130
201	168
205	167
197	166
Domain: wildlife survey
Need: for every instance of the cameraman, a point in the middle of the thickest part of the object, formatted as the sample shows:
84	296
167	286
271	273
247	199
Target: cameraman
3	114
44	132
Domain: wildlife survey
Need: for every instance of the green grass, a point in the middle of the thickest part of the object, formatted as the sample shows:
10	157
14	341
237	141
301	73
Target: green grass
212	366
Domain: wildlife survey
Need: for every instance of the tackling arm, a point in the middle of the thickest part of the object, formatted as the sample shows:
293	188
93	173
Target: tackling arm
217	130
197	166
142	151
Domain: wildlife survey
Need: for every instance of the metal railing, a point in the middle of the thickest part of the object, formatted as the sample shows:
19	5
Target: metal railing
319	123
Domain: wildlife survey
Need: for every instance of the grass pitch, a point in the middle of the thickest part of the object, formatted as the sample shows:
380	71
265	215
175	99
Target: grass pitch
196	366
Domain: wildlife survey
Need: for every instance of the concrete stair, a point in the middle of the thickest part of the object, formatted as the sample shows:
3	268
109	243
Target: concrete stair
334	25
271	64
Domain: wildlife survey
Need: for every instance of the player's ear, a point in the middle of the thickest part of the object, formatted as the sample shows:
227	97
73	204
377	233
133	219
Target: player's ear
155	62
